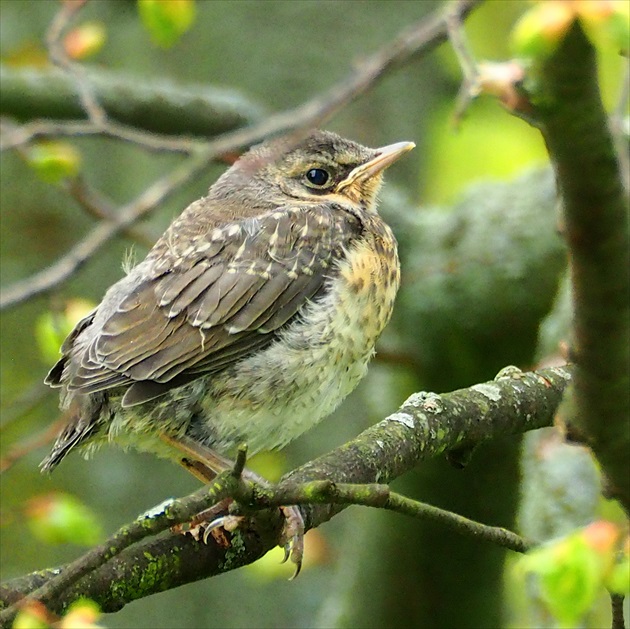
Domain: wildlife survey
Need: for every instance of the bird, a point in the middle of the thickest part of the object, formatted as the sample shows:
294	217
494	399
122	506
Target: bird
252	317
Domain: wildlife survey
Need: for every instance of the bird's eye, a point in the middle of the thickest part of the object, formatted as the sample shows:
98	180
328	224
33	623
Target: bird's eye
317	177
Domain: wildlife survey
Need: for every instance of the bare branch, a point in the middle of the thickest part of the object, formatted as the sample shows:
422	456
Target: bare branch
98	207
419	39
142	112
64	16
66	266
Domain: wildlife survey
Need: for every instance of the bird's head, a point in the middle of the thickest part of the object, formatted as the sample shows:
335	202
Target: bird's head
321	167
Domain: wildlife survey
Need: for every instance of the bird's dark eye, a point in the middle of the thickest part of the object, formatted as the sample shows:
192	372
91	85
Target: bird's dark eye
317	176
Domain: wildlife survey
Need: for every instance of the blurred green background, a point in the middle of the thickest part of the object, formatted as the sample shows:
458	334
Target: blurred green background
452	327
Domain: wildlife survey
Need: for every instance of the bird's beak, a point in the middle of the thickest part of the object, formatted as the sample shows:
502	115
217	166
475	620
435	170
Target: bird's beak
385	157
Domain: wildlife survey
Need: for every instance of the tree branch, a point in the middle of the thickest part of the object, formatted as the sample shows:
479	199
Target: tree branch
381	497
66	266
419	39
207	111
425	426
154	106
574	124
616	605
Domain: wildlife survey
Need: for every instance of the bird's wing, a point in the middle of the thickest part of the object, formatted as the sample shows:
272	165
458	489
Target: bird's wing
211	299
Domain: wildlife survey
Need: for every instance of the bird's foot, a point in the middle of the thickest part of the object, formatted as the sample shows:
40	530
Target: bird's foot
208	523
205	464
292	539
202	525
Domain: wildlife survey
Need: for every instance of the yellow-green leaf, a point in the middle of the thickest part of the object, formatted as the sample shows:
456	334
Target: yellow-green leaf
54	161
607	22
573	570
59	518
166	20
32	615
539	31
85	40
82	614
52	328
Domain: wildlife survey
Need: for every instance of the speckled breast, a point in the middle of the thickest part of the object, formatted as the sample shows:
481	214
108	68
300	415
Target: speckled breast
275	395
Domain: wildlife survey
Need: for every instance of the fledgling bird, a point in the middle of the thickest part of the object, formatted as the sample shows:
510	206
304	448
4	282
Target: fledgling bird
252	317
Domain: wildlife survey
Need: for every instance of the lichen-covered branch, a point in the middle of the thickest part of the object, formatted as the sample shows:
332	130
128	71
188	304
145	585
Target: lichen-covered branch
425	426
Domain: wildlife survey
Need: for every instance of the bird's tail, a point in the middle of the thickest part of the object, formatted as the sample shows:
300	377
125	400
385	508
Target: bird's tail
79	430
72	435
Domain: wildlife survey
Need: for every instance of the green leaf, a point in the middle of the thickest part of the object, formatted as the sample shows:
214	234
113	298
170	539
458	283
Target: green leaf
54	161
32	616
51	328
59	518
85	40
607	24
573	570
166	20
82	614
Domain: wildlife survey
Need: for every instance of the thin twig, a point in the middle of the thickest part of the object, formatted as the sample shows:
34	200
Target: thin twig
98	121
484	77
460	45
381	497
28	399
179	113
616	604
19	135
98	207
42	438
67	11
67	265
470	87
418	39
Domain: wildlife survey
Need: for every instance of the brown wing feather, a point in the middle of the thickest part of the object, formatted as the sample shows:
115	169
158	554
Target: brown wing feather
201	312
193	290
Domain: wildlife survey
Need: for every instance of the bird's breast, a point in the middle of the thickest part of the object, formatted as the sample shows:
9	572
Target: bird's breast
275	395
369	278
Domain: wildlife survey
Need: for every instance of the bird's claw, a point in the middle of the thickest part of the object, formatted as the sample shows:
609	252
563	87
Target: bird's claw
206	525
293	537
228	522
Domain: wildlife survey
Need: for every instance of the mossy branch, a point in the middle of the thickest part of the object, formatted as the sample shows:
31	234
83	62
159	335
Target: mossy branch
143	558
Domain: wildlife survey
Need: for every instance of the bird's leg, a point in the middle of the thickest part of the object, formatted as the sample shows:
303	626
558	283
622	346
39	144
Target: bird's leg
198	469
205	475
205	464
213	461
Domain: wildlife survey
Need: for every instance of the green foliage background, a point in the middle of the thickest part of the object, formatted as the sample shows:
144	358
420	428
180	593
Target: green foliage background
382	570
